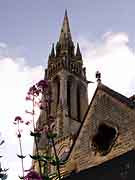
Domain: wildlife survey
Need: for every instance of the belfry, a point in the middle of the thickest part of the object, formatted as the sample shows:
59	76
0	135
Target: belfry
68	83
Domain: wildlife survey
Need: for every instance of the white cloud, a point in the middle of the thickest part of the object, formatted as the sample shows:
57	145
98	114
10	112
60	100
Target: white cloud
115	38
15	77
113	57
3	45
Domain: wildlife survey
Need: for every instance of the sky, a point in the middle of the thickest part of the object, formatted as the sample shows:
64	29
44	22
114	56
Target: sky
105	32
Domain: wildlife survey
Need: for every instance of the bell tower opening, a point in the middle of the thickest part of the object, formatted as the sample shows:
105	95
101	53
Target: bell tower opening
78	103
69	97
58	92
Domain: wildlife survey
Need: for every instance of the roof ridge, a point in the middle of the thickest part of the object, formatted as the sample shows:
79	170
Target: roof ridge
124	99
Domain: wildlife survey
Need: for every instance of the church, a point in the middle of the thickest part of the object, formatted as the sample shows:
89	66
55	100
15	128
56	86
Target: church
96	140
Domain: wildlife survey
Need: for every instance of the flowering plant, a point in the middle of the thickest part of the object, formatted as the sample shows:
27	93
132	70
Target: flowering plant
40	95
32	175
3	174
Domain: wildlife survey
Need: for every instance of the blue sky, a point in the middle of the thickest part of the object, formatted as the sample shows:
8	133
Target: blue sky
105	31
29	27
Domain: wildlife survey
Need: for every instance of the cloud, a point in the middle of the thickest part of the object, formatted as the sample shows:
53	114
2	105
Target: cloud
16	76
3	45
113	57
115	38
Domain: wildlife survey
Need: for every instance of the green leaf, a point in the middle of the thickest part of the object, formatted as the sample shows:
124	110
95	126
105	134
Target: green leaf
21	177
53	162
51	135
46	177
5	170
35	134
48	158
43	159
53	175
3	176
21	156
2	142
35	157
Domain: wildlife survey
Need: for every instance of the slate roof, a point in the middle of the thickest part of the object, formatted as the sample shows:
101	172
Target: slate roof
121	167
118	96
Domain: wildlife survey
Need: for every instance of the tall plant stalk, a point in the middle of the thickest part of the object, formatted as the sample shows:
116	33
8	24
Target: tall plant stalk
48	111
21	153
17	122
56	158
35	137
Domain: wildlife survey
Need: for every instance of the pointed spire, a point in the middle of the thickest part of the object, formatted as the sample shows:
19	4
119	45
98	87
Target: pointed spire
52	51
78	52
65	12
65	30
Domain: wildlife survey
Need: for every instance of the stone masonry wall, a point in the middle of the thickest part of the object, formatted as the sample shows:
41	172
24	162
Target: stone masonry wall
104	109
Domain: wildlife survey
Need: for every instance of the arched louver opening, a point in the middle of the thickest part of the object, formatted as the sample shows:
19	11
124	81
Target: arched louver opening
78	104
58	92
69	97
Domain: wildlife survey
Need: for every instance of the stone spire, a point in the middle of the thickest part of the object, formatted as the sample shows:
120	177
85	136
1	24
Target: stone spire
65	30
65	44
52	51
78	52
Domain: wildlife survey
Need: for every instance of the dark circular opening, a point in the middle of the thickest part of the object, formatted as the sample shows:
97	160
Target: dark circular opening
104	138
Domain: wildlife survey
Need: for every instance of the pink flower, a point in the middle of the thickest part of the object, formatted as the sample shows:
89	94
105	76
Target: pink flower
32	175
33	91
28	98
27	123
18	118
42	84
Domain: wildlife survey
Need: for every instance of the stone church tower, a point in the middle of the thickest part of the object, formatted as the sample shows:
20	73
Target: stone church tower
68	84
96	140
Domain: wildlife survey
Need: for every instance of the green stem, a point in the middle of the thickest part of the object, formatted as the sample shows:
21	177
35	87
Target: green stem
21	151
37	152
21	155
36	142
48	111
56	157
33	112
45	170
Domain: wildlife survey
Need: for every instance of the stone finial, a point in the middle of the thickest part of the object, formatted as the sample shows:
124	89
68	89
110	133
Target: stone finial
98	76
52	51
78	52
